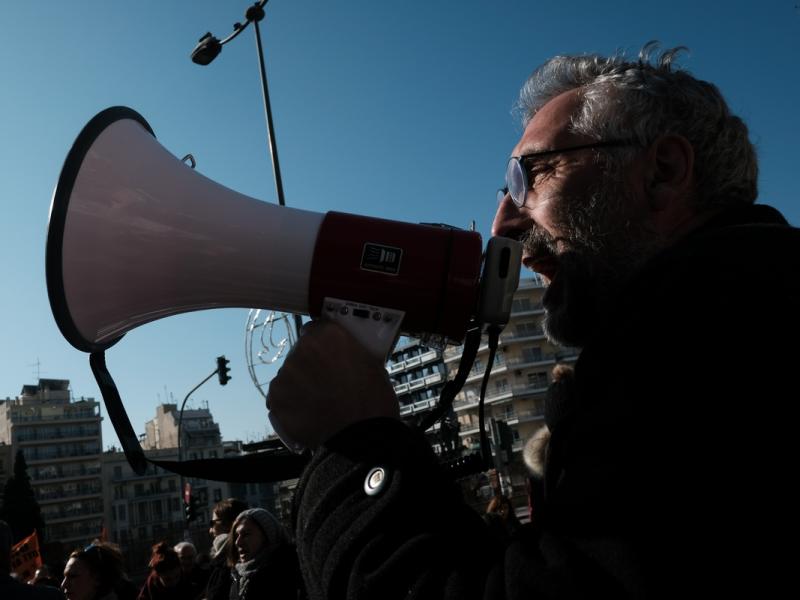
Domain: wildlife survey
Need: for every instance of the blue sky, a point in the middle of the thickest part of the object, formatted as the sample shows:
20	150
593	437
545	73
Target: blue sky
399	110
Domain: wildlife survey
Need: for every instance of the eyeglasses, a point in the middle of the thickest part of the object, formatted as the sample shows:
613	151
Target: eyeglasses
517	183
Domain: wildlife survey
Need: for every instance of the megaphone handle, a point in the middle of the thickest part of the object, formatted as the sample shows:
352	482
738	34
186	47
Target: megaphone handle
116	412
377	328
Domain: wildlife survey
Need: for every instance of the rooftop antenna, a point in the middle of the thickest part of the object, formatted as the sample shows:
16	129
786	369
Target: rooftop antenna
38	372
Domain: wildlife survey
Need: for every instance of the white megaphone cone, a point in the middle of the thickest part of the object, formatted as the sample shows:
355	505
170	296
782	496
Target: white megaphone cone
136	235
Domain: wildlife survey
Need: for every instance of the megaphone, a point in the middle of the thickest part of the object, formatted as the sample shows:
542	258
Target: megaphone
135	235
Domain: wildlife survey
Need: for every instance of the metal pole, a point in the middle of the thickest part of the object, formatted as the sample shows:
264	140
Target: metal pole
186	535
273	148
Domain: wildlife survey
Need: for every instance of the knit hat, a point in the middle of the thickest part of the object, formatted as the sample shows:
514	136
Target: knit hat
273	530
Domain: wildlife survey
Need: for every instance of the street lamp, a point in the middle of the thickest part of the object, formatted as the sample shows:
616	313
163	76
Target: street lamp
208	48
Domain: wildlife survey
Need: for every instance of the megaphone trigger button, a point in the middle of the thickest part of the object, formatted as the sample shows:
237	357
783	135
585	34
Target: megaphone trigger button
377	316
344	310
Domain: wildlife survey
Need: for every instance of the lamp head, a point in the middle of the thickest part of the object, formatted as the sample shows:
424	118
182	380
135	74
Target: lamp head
207	49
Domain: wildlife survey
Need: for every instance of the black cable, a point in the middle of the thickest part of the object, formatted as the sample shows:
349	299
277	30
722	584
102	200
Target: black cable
486	450
472	342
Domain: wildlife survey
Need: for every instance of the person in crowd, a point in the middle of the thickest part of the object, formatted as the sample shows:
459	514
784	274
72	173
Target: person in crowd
263	561
43	576
96	572
632	190
536	453
501	518
10	588
166	580
191	571
222	517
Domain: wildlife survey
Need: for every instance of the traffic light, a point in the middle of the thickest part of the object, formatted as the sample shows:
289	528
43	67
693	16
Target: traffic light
189	510
504	439
223	369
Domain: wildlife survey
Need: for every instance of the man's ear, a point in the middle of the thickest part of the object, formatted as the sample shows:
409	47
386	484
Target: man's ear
669	171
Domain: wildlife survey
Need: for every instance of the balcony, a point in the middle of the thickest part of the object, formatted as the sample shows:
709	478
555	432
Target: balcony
500	395
477	374
72	515
534	281
418	384
414	361
421	406
61	455
76	415
63	475
52	497
526	336
33	440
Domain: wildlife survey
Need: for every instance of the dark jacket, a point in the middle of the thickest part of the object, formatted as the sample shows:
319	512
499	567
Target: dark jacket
11	589
670	476
219	578
153	589
279	579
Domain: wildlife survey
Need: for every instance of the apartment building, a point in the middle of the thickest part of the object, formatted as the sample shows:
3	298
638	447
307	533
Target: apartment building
418	374
516	390
199	439
6	464
141	509
61	440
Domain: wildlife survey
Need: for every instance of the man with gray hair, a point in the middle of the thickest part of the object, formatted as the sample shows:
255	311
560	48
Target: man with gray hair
633	190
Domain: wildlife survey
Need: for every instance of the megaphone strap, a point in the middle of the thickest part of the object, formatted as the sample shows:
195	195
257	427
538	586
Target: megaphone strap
269	466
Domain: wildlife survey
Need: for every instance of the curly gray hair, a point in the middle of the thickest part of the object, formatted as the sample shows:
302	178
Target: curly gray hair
623	99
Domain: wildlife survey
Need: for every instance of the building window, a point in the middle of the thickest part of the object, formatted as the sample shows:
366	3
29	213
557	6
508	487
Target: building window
117	472
528	328
532	354
521	305
537	380
121	512
217	495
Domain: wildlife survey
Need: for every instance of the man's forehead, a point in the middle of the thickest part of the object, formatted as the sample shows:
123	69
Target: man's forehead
550	126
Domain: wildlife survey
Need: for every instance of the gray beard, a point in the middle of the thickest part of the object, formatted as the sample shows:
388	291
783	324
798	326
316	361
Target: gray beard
602	248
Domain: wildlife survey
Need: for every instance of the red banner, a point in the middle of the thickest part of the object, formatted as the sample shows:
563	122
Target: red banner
26	558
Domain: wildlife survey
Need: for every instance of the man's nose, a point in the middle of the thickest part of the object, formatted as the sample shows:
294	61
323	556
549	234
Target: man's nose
509	221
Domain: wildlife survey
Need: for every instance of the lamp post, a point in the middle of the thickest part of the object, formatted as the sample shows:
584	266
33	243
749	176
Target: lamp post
221	370
208	48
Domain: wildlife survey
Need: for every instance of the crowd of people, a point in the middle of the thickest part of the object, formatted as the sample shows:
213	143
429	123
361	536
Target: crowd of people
252	557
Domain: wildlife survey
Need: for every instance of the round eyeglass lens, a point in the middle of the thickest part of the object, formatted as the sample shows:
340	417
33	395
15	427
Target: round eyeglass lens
516	181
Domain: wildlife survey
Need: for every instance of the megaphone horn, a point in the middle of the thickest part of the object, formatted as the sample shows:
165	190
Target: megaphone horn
136	235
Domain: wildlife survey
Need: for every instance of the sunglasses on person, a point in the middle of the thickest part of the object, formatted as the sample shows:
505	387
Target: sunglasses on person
517	182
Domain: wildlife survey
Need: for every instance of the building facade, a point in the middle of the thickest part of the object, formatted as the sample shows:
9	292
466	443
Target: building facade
418	374
6	464
515	394
61	440
141	510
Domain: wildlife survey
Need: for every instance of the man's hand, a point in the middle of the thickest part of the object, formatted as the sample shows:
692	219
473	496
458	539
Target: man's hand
327	382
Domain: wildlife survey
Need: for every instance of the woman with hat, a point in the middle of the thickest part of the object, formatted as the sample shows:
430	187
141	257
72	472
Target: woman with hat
262	559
